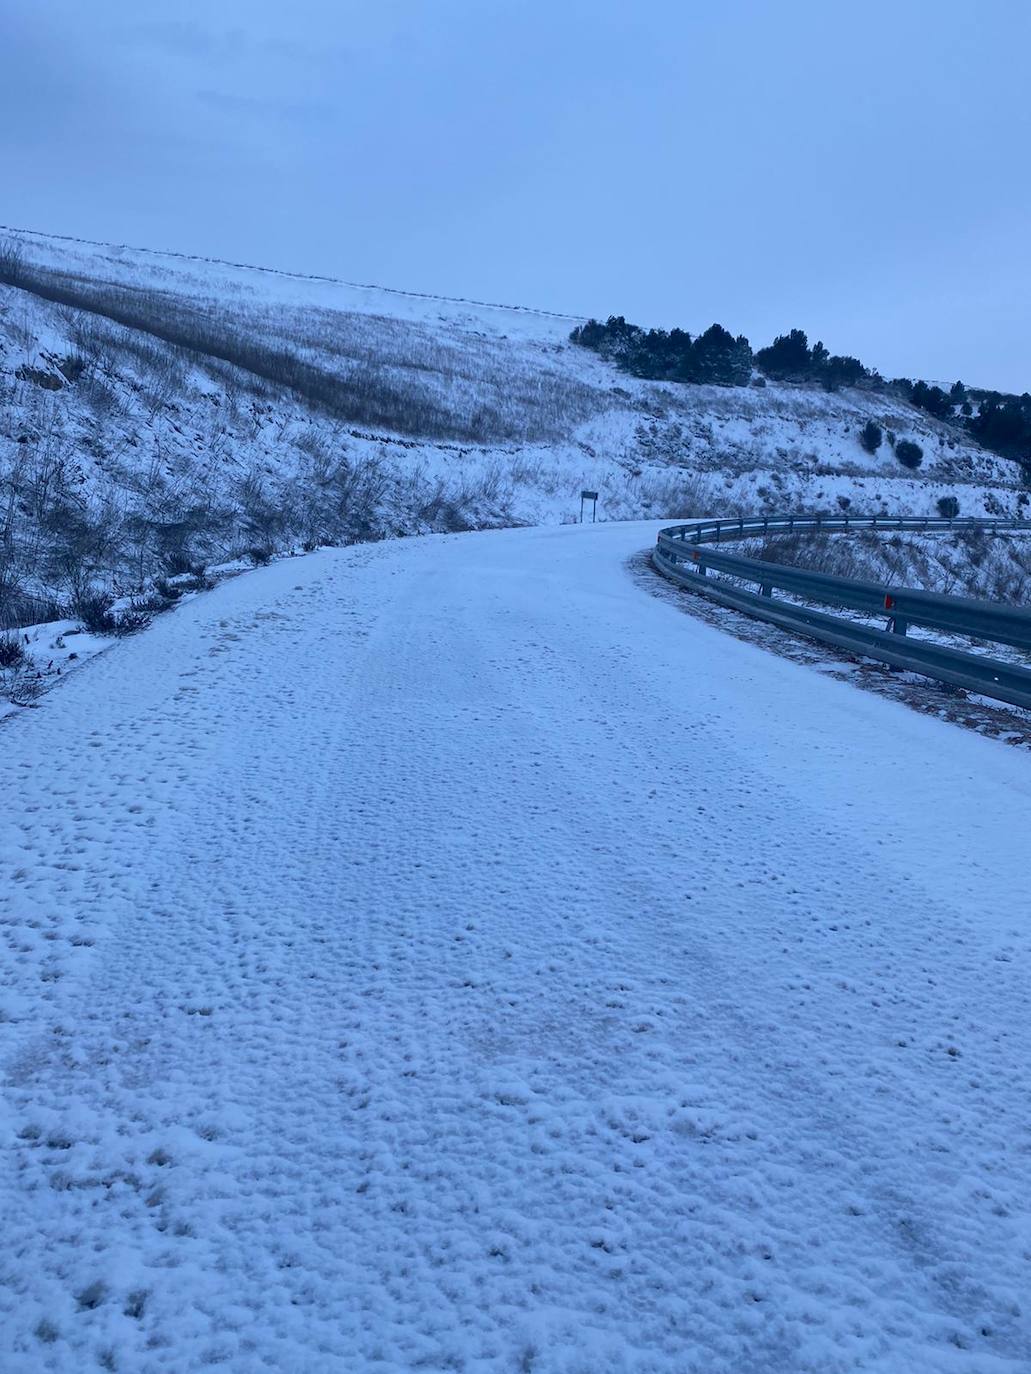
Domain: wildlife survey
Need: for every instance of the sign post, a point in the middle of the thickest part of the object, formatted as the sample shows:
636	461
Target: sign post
589	496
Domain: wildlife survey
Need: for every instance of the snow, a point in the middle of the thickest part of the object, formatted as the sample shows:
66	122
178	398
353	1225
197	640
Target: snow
441	954
51	651
230	281
125	458
558	418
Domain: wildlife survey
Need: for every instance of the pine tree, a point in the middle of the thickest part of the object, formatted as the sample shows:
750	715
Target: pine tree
719	357
841	370
871	436
788	358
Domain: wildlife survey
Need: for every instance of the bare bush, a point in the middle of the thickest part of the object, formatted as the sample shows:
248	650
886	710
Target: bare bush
265	517
337	498
677	496
173	589
138	615
12	653
93	611
13	269
20	608
22	684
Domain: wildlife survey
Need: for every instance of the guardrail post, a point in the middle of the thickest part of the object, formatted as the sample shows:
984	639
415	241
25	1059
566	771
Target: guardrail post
765	589
896	624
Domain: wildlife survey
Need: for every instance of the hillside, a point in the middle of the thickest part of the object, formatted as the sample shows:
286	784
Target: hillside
159	411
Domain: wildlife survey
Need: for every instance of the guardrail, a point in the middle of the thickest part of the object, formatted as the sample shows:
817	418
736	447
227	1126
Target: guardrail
682	555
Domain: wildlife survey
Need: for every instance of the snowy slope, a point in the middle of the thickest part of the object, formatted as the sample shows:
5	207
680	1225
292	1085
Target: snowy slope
411	414
195	276
442	955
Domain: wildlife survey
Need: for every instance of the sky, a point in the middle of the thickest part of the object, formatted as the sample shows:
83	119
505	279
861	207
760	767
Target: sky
859	171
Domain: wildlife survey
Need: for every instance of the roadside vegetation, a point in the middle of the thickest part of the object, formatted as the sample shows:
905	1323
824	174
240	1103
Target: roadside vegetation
361	370
1001	422
960	562
157	430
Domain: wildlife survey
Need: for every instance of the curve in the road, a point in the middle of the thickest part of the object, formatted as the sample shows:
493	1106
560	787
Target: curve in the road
439	955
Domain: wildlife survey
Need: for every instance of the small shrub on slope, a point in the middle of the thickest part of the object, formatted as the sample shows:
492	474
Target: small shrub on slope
93	610
871	436
136	618
910	455
12	655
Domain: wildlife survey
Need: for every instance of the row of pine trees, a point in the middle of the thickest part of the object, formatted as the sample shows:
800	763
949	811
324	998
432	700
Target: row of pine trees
999	421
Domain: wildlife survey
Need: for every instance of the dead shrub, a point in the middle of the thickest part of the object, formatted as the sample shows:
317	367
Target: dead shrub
12	654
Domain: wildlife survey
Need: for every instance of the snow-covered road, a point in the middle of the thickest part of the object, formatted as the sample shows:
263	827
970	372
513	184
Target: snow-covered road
443	955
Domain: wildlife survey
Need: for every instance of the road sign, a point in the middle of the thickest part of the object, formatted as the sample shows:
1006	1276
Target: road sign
589	496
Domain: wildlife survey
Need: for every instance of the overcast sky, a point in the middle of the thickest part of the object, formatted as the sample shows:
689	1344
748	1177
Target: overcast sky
860	171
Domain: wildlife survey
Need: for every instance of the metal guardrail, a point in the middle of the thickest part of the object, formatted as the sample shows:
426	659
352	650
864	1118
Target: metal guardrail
682	555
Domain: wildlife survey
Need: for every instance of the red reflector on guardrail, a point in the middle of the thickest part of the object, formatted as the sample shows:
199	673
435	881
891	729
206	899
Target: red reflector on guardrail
889	602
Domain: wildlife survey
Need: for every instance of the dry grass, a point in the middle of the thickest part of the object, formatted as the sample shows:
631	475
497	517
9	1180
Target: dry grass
366	370
989	567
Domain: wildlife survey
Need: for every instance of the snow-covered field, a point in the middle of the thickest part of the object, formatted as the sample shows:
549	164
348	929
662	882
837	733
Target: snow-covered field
439	954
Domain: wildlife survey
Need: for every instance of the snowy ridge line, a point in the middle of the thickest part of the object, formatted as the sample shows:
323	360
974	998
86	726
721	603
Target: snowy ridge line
293	276
678	549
